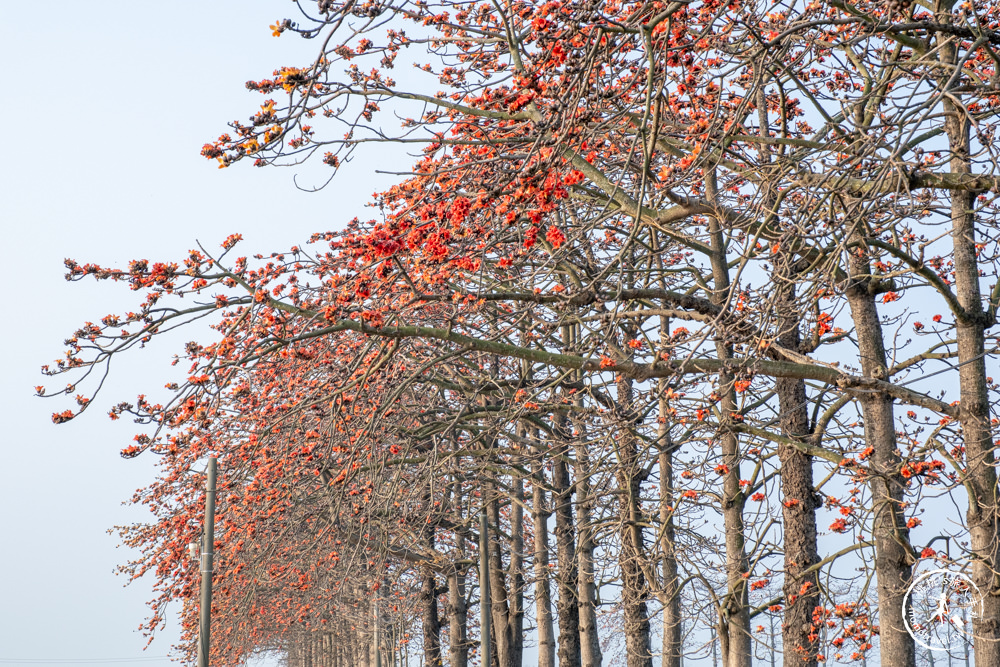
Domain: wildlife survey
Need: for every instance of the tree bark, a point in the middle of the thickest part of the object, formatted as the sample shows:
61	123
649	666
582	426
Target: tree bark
543	595
499	609
670	594
893	556
517	573
982	516
800	636
635	588
567	606
458	645
734	617
430	620
590	642
457	612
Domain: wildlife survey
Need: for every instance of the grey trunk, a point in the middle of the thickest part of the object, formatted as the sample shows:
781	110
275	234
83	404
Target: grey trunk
982	514
517	573
800	636
631	558
543	596
568	609
590	643
734	616
893	556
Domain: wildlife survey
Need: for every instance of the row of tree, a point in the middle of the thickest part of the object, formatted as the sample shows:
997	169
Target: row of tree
689	304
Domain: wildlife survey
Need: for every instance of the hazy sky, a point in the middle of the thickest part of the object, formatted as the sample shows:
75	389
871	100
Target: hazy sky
104	111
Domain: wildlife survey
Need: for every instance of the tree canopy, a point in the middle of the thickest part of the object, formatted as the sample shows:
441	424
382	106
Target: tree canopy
706	289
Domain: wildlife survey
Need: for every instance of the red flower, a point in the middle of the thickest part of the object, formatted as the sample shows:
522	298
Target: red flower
555	237
232	240
824	323
890	297
530	236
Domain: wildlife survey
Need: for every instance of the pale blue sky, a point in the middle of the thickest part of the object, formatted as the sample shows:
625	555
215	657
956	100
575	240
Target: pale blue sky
105	108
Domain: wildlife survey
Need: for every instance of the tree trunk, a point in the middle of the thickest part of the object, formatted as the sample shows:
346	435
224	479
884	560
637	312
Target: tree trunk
499	609
567	606
734	617
543	596
670	594
631	558
458	616
800	637
893	557
517	573
431	622
363	647
458	645
590	642
974	415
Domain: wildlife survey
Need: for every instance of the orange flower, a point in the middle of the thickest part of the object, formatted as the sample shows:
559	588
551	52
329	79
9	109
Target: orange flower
232	240
555	237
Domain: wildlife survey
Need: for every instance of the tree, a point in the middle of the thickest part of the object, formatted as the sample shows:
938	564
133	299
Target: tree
589	175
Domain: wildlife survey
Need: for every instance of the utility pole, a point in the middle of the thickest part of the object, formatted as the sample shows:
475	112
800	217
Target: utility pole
486	602
207	553
377	640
